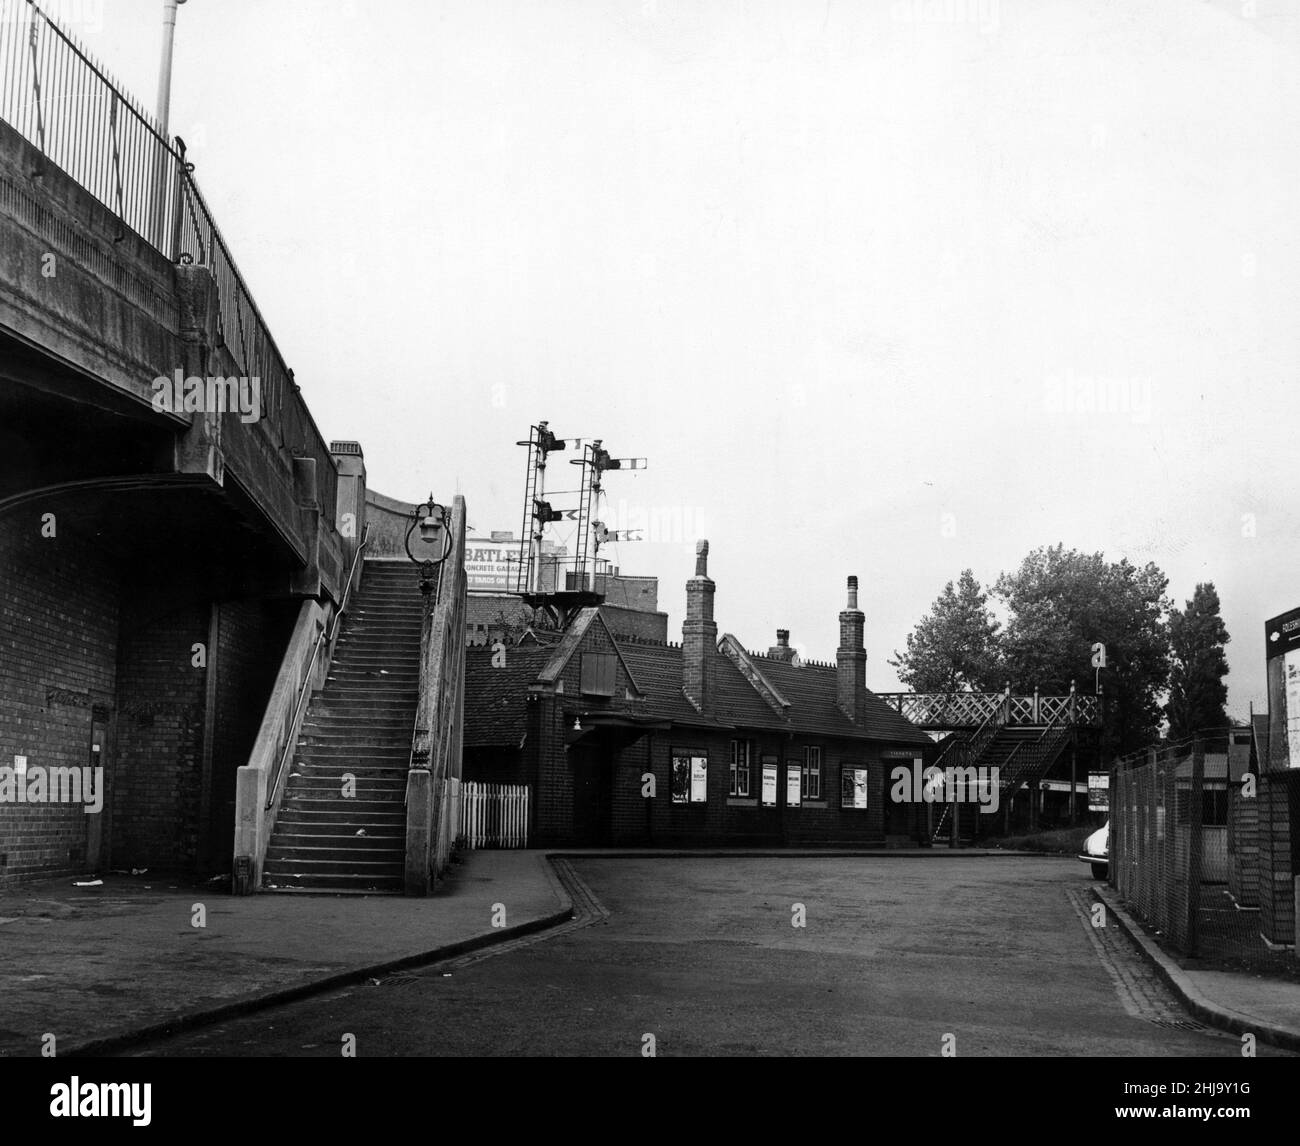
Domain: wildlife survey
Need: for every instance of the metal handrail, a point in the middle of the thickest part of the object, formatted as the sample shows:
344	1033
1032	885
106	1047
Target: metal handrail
325	636
79	118
1033	759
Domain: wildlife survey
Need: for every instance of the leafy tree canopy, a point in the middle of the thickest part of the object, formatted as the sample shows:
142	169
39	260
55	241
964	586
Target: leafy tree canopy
1060	604
954	647
1197	691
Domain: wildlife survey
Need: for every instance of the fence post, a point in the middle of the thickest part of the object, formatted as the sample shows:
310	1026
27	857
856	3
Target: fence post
1118	843
1153	855
1195	812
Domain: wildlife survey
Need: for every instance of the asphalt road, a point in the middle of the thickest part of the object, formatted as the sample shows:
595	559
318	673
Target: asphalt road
999	955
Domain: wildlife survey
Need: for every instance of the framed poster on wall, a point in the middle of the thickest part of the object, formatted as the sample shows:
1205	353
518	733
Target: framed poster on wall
793	783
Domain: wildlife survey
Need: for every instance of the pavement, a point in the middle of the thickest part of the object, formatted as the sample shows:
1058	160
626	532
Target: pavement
100	968
1232	1001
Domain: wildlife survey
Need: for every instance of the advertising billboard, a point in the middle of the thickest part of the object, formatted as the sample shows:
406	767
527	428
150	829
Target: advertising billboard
1099	791
1282	660
490	565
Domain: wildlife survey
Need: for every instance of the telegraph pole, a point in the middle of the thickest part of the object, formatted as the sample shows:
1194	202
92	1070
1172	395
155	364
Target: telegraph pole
165	64
163	115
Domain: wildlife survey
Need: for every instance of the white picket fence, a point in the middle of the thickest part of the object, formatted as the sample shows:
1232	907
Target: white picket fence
493	815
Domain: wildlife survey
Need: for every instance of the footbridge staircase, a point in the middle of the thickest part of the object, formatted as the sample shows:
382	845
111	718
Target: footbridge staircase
994	738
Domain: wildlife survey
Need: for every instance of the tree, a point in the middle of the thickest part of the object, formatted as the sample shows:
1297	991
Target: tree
1197	692
1061	604
954	647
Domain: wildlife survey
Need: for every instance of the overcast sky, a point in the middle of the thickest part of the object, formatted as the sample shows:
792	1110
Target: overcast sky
885	288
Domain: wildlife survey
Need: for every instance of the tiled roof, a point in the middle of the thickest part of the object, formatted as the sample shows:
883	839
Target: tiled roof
496	699
658	670
813	694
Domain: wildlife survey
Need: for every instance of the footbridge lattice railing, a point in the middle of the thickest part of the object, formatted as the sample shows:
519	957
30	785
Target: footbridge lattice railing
956	710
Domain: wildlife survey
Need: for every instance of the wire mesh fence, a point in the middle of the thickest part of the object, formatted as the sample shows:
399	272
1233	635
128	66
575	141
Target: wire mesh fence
1186	856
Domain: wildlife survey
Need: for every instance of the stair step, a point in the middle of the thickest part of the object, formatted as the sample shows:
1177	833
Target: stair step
347	865
345	820
330	788
334	882
345	723
340	804
350	759
363	711
364	690
315	785
404	674
368	842
378	769
382	665
343	859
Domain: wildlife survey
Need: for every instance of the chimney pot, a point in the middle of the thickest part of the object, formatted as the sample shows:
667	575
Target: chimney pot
699	633
783	637
851	659
701	559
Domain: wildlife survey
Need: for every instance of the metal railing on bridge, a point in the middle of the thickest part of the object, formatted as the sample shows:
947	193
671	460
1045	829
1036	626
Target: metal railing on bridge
63	102
955	710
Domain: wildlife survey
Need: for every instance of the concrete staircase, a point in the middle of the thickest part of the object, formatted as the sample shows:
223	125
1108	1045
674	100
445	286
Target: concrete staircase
359	723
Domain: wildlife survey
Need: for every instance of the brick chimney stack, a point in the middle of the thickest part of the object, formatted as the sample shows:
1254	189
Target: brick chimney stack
699	633
781	651
851	659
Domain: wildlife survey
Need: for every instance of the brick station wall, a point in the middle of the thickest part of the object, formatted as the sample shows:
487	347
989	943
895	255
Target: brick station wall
724	819
58	646
157	765
721	819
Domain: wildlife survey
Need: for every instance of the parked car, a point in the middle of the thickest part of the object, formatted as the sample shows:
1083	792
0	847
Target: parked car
1096	851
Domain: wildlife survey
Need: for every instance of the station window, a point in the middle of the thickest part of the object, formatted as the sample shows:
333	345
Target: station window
742	752
812	774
